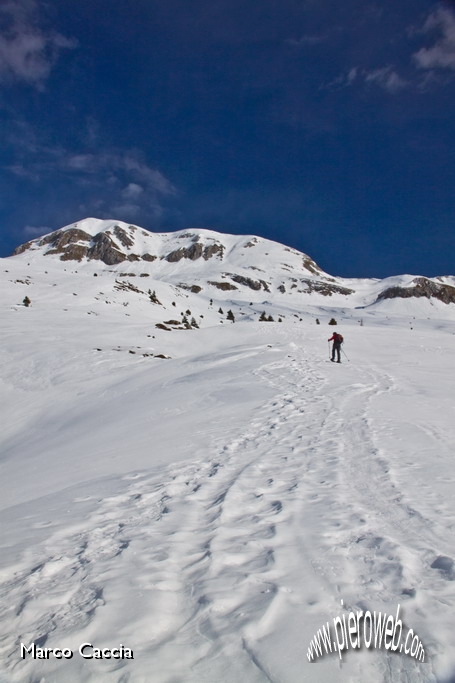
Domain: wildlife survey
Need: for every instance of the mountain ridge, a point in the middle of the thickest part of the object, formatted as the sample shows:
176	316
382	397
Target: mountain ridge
223	266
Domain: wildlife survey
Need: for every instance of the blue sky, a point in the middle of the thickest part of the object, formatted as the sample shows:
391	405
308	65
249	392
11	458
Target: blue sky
327	126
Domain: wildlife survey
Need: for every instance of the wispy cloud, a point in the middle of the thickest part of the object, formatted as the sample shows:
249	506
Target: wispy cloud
119	165
428	66
344	80
112	180
306	40
441	55
31	231
385	77
132	191
27	52
125	167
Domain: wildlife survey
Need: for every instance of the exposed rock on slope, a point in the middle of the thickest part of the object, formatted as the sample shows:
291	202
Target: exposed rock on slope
75	244
115	245
423	287
206	263
195	251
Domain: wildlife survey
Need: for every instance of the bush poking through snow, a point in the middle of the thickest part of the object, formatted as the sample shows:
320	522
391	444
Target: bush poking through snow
153	298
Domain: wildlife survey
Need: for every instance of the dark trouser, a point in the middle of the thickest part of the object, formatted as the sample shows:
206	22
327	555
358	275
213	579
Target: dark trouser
336	348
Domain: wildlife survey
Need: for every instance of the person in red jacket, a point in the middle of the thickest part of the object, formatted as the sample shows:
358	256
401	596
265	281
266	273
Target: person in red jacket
336	348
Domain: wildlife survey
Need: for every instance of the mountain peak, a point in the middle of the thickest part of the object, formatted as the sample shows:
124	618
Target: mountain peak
201	259
113	242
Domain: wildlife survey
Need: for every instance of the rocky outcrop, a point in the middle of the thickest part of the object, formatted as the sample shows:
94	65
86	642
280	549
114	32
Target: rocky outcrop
60	242
213	250
325	288
224	286
22	247
123	237
195	289
127	287
61	238
67	243
75	244
74	252
311	265
195	251
255	285
422	287
104	250
192	253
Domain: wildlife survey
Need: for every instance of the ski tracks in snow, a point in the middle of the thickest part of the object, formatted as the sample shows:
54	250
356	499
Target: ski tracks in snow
193	566
181	562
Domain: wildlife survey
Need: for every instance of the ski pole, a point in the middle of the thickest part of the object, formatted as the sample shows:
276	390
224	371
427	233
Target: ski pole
328	348
345	355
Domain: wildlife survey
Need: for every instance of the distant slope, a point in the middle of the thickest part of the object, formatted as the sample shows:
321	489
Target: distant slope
204	265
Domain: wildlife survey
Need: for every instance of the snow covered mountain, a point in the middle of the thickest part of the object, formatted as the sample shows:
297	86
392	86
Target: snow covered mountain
221	267
185	475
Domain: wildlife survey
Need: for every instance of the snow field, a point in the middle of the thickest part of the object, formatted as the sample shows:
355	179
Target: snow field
210	511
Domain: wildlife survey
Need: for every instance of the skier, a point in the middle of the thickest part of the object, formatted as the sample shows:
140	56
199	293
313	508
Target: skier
337	341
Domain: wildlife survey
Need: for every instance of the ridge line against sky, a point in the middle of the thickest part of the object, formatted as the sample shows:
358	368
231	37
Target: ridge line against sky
328	127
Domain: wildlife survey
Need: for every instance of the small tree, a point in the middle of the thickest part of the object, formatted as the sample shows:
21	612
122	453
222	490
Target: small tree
26	301
194	323
220	311
263	317
230	316
153	298
317	321
332	321
270	319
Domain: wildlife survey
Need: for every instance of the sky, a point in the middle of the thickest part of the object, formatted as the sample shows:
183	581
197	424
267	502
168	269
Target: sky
327	126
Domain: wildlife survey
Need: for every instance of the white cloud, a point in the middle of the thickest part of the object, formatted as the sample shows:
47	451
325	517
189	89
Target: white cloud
123	172
150	176
27	53
81	162
442	54
351	75
126	210
132	191
344	80
386	78
306	40
121	167
100	181
30	231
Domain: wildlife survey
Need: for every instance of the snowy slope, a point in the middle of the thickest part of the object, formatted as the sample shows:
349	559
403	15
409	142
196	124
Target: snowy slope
210	510
219	266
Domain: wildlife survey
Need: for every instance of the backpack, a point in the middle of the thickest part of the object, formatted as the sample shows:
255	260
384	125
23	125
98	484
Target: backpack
339	337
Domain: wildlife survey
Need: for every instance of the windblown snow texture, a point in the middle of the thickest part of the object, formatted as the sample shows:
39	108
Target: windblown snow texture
208	496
